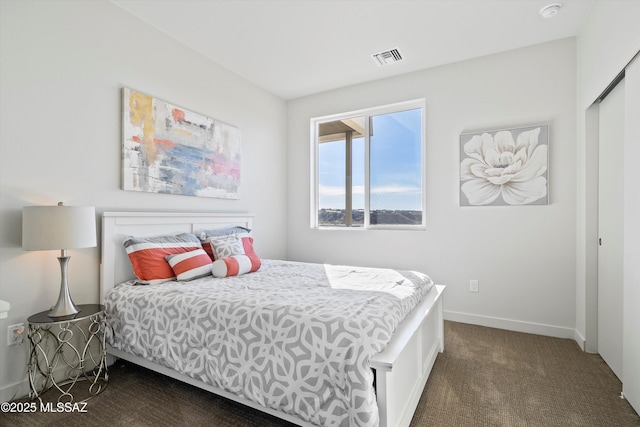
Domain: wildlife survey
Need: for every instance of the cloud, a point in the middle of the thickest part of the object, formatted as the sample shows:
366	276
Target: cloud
396	189
328	191
334	190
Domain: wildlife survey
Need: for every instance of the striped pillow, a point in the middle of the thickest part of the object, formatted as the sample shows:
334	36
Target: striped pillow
190	265
235	265
147	255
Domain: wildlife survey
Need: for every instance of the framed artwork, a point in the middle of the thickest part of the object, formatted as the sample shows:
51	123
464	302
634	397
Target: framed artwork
505	167
171	150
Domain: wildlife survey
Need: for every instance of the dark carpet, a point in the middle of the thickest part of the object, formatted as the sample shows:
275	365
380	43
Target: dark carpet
485	377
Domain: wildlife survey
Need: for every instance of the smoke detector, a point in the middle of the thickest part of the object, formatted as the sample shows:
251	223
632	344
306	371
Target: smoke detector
551	10
387	57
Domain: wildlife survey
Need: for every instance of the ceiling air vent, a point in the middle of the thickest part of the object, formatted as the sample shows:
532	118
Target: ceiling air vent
387	57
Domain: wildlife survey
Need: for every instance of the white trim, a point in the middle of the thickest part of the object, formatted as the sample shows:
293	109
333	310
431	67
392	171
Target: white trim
5	306
512	325
313	158
20	389
372	111
367	174
14	390
580	340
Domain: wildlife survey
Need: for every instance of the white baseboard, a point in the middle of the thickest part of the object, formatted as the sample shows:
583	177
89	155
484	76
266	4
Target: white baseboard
14	391
580	340
21	389
514	325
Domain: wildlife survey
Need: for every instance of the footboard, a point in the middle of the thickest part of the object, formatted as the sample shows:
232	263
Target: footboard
403	368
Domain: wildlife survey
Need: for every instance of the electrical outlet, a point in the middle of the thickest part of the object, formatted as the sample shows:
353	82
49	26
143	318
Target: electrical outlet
473	286
15	334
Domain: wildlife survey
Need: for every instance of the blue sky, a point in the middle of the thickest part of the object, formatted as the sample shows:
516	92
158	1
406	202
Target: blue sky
395	165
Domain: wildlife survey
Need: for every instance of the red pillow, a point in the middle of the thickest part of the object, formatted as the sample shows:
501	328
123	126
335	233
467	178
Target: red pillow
148	255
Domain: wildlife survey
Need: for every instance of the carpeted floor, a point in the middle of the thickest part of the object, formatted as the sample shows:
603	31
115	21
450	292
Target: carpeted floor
485	377
493	377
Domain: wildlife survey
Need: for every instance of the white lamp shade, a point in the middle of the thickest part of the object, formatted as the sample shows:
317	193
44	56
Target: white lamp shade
58	227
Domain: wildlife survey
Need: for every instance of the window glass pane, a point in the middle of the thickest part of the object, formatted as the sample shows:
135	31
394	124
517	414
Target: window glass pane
395	155
341	145
331	183
395	168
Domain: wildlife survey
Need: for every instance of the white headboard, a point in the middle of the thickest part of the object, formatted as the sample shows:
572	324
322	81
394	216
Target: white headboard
115	267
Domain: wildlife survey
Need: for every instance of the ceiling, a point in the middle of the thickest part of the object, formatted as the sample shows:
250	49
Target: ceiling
294	48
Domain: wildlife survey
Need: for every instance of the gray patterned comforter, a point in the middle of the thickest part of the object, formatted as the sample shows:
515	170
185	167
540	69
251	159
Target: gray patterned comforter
295	337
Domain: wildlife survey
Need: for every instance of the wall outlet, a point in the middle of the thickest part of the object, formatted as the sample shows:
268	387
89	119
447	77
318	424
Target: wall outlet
15	334
473	286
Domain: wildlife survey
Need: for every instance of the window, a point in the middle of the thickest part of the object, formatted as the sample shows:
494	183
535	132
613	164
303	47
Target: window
368	168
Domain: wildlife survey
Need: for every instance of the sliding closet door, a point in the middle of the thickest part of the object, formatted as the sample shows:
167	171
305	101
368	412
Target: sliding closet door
610	227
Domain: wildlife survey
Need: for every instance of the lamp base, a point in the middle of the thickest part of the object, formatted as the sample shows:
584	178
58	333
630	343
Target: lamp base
64	306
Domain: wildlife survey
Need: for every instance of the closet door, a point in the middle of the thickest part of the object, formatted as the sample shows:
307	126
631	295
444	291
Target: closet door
610	228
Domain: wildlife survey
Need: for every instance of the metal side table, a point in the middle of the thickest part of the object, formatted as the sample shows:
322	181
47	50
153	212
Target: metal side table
72	347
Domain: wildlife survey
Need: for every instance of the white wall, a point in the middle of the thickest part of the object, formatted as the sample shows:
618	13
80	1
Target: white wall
607	42
524	257
63	64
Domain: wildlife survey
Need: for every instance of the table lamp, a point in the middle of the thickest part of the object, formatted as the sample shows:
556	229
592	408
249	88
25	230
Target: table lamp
59	227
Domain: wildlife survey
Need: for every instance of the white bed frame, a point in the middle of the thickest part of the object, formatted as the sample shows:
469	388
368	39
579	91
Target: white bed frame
401	370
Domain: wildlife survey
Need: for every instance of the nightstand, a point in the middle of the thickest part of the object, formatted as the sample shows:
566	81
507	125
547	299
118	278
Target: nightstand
69	347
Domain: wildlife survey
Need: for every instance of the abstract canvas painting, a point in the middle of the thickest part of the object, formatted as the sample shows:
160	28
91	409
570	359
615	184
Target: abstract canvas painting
168	149
505	167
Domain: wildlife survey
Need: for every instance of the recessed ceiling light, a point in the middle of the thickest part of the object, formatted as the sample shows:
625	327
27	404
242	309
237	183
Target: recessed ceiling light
550	10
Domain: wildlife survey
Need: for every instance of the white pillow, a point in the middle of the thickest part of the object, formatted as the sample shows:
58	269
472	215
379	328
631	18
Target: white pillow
226	246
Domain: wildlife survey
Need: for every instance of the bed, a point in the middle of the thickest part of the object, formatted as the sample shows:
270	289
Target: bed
399	370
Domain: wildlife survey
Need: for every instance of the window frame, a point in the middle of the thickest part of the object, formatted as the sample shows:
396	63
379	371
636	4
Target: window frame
367	113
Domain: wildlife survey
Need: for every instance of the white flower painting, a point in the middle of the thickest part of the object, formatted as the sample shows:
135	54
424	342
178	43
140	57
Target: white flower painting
506	167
